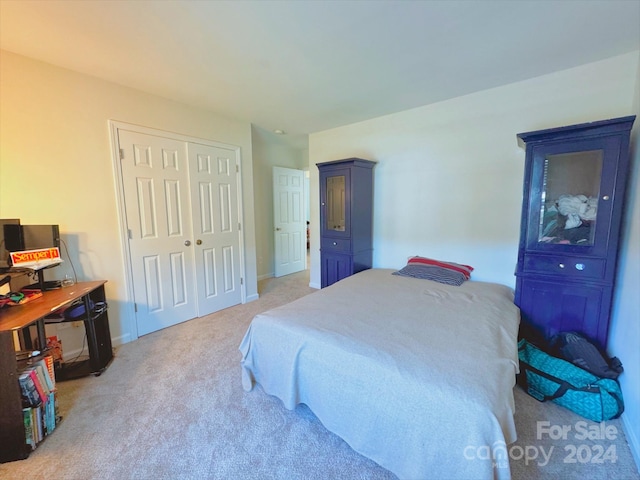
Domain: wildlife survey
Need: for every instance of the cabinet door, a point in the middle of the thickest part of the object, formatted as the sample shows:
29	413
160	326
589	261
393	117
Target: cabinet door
335	208
335	267
571	196
553	307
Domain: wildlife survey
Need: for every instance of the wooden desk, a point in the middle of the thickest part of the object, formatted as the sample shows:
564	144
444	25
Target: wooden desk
20	319
22	316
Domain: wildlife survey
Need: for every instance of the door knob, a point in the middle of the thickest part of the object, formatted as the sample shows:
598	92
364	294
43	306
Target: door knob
278	229
198	242
187	242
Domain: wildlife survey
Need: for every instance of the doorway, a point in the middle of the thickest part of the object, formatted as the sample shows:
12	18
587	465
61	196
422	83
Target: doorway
289	218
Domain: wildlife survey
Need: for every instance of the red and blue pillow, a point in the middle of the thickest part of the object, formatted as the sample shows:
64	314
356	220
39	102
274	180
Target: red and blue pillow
449	273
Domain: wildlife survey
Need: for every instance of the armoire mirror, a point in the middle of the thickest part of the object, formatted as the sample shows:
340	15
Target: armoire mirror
570	193
336	203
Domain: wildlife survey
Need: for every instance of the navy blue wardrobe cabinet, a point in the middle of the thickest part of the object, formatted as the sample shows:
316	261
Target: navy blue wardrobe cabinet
574	191
346	218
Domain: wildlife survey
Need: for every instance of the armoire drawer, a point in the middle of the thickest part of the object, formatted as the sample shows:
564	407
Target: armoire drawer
574	267
335	244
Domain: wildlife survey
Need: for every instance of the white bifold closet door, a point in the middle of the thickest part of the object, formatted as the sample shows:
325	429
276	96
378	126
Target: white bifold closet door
181	203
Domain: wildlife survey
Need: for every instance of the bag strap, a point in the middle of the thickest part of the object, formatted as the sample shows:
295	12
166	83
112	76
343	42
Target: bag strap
620	403
562	389
613	393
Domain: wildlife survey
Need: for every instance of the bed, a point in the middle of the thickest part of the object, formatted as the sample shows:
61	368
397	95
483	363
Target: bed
414	374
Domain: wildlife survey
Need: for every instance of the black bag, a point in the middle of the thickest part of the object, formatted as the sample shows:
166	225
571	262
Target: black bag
578	350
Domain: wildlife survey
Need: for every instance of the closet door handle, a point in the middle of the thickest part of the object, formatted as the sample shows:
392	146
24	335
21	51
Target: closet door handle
187	243
198	242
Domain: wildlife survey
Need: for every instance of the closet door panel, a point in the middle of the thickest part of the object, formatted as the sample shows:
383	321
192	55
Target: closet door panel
156	191
214	180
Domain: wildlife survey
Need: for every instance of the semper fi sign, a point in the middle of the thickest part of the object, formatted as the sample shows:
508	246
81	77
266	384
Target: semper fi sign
36	258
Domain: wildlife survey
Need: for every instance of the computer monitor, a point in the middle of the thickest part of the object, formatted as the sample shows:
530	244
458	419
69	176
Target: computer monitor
33	237
40	236
7	224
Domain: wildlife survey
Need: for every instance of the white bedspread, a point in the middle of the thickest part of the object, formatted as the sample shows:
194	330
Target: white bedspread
414	374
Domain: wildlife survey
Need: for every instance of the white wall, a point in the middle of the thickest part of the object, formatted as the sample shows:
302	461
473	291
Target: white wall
624	340
448	183
56	165
269	150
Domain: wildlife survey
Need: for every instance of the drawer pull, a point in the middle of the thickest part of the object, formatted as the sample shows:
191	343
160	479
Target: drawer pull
561	265
580	266
335	243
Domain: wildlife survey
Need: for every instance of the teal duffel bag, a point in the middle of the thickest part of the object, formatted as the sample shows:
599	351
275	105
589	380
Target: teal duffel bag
549	378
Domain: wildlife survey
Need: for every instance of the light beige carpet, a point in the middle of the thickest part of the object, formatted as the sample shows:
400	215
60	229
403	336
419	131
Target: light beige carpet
171	406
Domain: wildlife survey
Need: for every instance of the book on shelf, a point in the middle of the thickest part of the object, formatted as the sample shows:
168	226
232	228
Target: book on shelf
39	385
37	414
27	417
29	391
49	414
43	374
41	420
48	360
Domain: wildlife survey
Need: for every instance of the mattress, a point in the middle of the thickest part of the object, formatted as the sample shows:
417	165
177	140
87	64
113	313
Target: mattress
413	374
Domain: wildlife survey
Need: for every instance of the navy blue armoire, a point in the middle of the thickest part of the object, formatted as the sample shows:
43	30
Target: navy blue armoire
346	218
574	192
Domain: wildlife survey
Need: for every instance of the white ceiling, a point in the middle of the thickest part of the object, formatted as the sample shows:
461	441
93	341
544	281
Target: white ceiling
306	66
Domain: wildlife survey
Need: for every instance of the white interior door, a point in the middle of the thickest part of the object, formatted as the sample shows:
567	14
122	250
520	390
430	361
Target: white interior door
289	221
156	189
216	226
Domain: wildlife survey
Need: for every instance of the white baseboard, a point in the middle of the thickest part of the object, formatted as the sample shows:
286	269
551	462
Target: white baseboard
252	298
632	439
315	285
70	355
121	340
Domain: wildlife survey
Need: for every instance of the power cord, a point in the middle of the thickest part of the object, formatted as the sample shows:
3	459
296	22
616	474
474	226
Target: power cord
75	363
75	275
